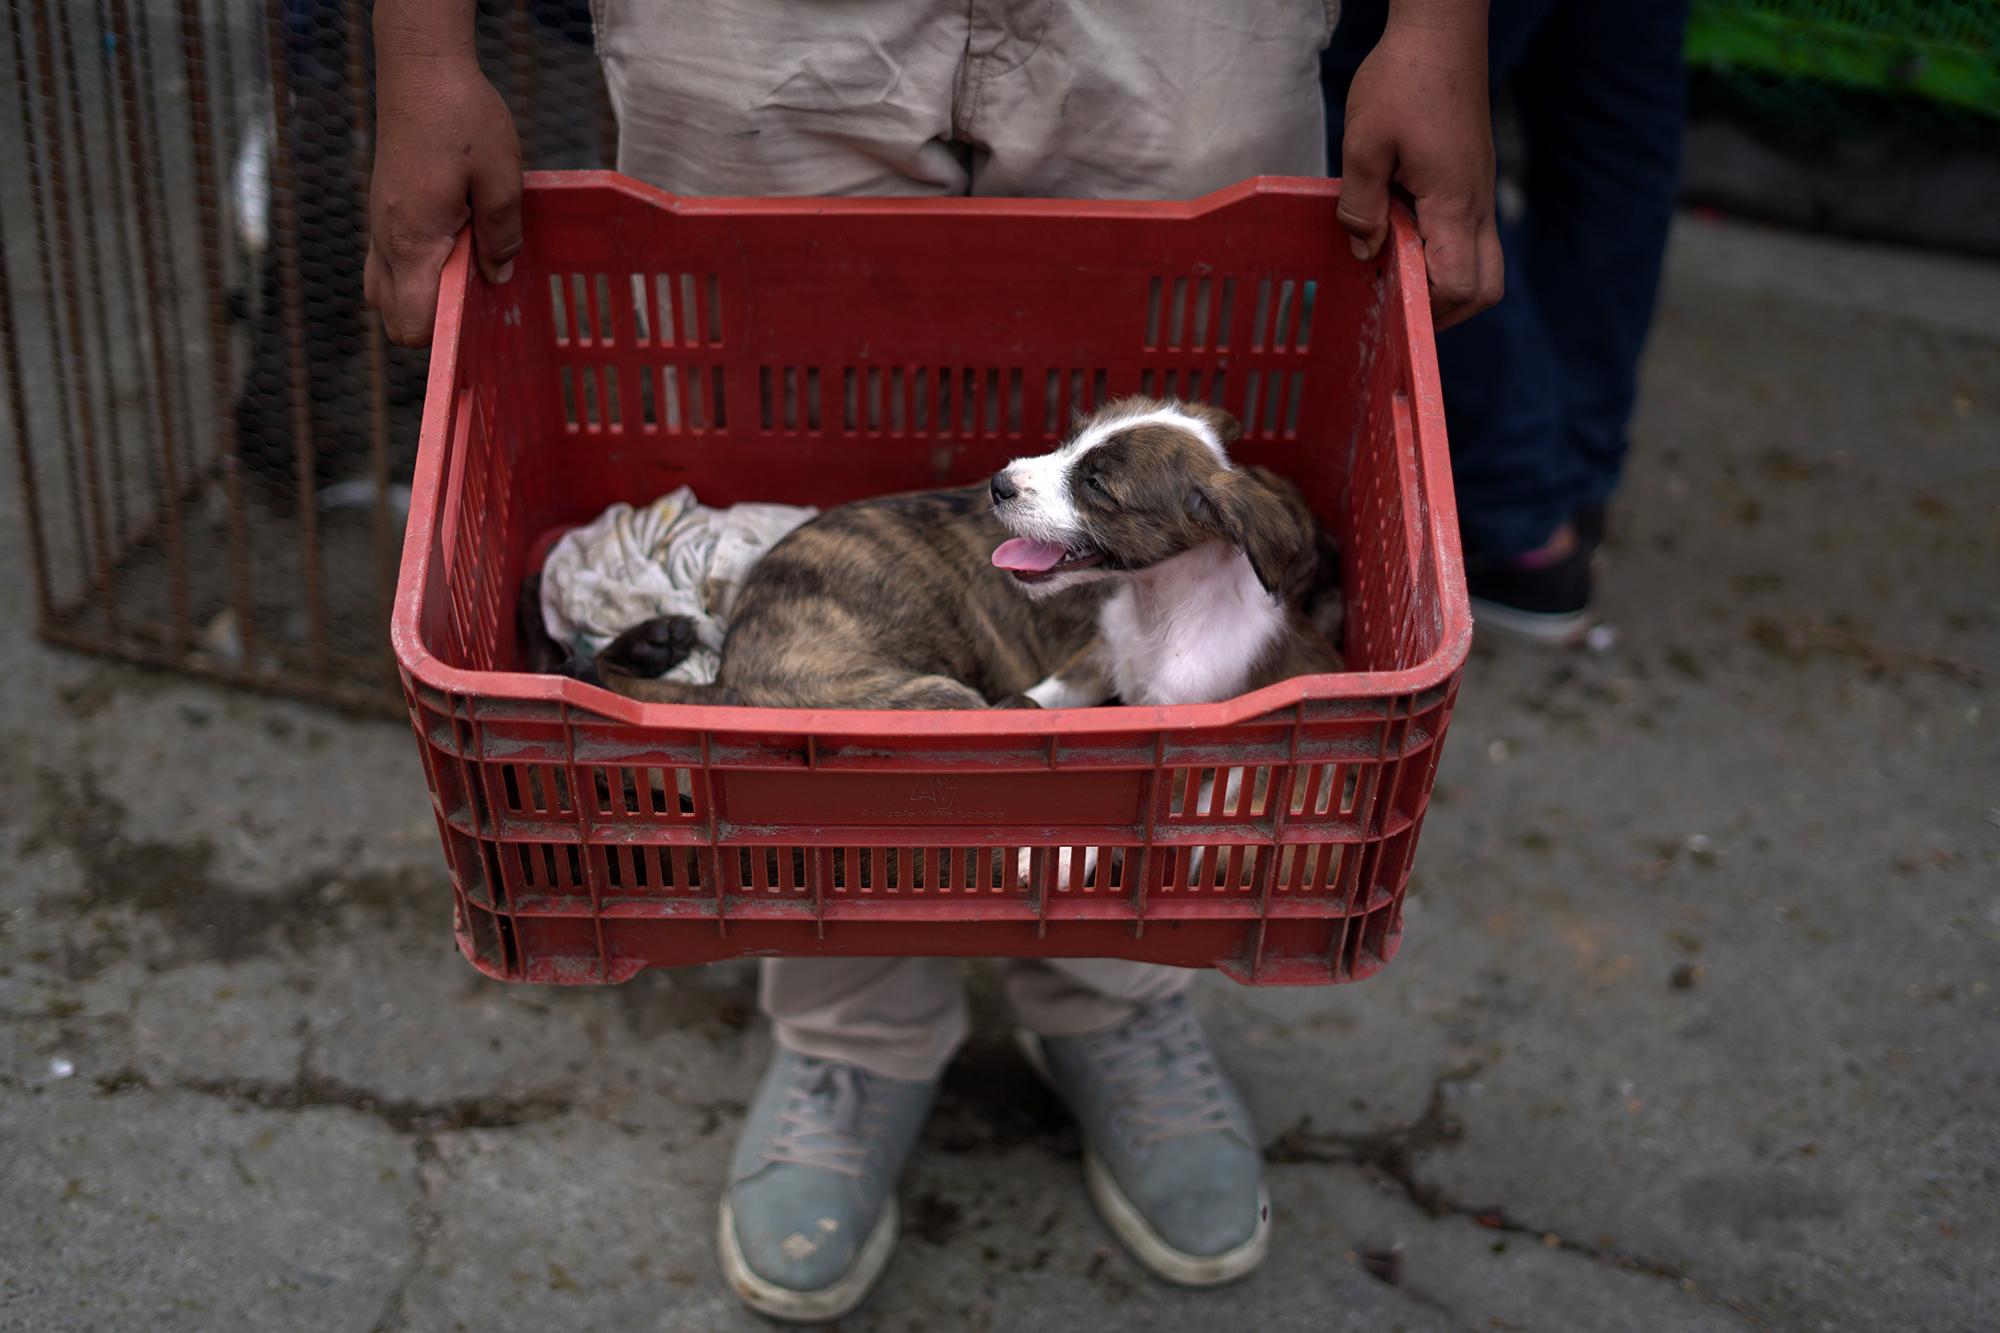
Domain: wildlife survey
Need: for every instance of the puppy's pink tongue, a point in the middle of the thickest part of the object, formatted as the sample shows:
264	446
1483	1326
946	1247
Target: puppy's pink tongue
1028	557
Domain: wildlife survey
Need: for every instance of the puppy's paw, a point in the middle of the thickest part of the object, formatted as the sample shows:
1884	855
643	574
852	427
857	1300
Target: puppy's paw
1016	701
651	648
580	668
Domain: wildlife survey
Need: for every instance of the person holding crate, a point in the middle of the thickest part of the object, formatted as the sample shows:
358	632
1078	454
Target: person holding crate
1057	98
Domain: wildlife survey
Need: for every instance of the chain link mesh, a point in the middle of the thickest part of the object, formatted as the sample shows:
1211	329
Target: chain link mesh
213	436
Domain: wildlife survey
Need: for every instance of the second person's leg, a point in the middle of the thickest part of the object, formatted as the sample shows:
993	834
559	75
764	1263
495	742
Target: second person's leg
1602	94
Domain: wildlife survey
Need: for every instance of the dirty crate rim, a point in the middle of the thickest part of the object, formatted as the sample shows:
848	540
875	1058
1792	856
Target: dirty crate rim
423	667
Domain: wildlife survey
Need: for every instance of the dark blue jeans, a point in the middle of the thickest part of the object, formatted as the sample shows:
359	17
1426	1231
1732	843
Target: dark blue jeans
1538	391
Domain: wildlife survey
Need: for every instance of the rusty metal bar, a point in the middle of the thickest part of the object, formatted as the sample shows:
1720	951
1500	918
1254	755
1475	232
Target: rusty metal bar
284	194
17	400
195	60
141	535
150	298
226	111
73	299
79	530
363	111
184	377
121	251
339	690
106	367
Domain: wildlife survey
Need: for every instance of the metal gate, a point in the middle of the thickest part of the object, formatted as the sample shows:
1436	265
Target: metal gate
213	436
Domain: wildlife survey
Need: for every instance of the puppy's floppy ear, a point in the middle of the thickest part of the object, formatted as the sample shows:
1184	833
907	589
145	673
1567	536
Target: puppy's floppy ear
1263	516
1228	430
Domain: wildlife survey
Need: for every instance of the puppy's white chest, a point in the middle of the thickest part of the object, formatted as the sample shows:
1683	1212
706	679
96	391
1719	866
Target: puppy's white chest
1190	636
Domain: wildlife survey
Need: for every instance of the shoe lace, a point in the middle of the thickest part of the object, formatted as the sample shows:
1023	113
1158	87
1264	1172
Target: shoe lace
822	1123
1163	1076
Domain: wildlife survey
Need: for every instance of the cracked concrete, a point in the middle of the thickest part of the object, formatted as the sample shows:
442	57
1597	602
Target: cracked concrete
175	1211
403	1117
1696	1025
1394	1154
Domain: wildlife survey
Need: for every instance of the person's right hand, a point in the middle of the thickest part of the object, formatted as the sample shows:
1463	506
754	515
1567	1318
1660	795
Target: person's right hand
1417	117
445	154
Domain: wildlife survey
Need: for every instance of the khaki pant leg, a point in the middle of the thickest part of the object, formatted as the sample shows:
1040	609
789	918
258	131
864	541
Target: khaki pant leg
899	1017
1134	99
785	97
1062	997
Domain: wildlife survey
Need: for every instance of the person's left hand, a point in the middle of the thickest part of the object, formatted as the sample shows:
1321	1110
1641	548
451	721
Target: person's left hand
1418	117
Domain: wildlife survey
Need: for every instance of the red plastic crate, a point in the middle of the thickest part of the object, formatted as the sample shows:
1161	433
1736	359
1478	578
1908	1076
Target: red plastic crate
818	351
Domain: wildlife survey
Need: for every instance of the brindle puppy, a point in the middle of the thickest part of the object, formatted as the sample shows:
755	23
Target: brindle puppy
1210	561
889	603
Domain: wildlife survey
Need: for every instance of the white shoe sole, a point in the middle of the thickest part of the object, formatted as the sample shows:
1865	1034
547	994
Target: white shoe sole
1137	1234
809	1307
1560	630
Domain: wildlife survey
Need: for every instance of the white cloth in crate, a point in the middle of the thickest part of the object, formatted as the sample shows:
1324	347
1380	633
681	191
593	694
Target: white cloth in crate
675	556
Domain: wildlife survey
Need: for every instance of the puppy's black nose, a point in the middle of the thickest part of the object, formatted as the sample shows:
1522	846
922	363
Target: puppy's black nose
1003	489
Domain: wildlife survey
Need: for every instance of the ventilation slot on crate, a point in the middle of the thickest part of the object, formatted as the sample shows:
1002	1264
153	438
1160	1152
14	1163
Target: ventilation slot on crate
1283	314
788	399
492	945
874	870
967	402
685	310
642	316
590	398
1191	870
481	871
654	795
580	306
486	525
639	871
1190	386
542	869
1190	314
861	410
765	870
1271	402
956	412
1069	396
1321	791
534	789
969	870
1210	795
614	416
1077	870
686	400
1312	867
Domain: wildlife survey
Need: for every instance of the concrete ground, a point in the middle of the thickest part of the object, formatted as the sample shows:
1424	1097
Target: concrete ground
1696	1025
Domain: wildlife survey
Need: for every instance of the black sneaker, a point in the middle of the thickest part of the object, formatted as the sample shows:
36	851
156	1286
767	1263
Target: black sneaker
1589	527
1548	602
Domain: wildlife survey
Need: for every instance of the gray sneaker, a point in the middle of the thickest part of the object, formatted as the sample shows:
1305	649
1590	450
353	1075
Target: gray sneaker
1169	1155
809	1221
